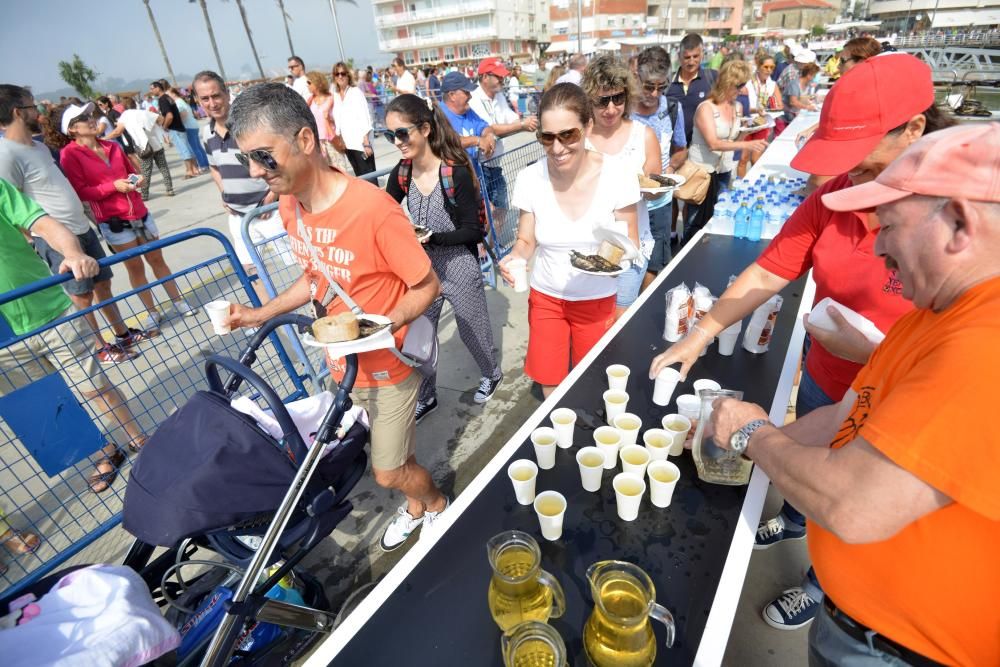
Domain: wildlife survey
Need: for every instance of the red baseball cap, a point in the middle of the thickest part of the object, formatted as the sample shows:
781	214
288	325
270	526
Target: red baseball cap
876	96
492	66
957	162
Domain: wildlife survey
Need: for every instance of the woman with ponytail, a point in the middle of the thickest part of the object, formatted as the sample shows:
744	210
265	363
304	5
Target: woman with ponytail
438	182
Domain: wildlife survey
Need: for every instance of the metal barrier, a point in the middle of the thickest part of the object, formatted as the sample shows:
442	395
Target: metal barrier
53	428
496	179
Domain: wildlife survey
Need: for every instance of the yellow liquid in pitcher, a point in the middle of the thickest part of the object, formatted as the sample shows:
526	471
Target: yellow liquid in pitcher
609	644
533	653
513	603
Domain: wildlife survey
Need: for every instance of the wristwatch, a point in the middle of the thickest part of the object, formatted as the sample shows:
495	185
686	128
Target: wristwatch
738	441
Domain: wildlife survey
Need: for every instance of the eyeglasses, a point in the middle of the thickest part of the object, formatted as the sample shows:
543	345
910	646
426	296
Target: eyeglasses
340	73
651	88
767	67
740	85
260	156
617	99
565	137
400	134
844	61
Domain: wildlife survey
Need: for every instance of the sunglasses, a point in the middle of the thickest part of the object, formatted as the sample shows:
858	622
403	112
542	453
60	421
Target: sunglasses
401	134
844	61
617	99
260	156
655	87
340	73
565	137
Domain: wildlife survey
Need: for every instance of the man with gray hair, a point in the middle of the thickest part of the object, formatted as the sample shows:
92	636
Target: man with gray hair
358	236
574	73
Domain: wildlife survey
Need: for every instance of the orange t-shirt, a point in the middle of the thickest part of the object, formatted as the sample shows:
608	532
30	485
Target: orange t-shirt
926	400
368	246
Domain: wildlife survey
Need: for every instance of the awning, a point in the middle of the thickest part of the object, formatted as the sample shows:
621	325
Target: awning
966	18
858	25
570	46
608	45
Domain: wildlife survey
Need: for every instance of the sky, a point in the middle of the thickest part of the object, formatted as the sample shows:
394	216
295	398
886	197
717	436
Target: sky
116	39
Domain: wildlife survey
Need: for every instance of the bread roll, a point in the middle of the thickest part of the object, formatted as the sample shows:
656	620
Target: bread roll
611	252
336	328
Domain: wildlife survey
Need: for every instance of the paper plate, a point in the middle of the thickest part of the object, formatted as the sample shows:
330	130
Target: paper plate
379	341
749	127
680	180
619	239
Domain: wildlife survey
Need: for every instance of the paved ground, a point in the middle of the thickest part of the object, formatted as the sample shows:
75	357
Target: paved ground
453	443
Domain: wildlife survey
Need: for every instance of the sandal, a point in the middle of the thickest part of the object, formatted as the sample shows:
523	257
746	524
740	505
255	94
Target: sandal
101	481
137	443
20	543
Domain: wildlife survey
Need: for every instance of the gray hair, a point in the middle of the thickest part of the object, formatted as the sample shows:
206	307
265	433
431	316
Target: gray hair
209	75
654	62
273	107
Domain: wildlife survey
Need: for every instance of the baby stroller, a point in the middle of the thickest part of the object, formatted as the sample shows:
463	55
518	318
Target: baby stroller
211	478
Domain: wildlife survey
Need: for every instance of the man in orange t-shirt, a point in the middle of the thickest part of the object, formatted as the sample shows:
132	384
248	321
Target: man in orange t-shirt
367	245
901	480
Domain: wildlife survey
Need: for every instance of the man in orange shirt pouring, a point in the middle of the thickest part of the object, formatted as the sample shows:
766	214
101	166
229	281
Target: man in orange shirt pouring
367	245
900	480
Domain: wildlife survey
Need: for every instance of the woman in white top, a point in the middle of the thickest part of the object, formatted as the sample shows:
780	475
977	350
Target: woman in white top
716	138
764	96
562	199
612	91
353	120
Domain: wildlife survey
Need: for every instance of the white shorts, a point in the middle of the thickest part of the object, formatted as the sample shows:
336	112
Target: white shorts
260	231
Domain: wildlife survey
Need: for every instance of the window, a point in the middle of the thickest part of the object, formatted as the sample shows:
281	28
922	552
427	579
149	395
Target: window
463	51
449	53
681	13
428	55
409	57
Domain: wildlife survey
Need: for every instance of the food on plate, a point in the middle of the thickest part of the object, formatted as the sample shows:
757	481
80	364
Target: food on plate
647	182
592	263
336	328
665	180
760	120
370	327
611	252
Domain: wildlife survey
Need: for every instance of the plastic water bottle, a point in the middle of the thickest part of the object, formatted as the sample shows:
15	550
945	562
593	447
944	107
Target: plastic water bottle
756	227
741	221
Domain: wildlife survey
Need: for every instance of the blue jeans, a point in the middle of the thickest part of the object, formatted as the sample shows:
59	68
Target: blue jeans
195	143
829	646
659	227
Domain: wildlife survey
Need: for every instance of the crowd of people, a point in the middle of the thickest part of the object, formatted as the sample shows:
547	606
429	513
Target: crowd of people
902	229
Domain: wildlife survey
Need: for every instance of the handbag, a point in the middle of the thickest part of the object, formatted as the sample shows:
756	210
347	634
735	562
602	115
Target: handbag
420	345
695	186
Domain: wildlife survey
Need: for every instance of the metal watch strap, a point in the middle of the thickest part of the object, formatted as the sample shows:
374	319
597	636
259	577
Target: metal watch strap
747	431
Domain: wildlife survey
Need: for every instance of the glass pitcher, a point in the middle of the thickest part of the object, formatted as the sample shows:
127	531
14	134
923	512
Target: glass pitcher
714	464
618	632
533	644
520	590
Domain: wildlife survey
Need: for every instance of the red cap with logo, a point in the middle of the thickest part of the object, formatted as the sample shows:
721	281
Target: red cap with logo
493	66
876	96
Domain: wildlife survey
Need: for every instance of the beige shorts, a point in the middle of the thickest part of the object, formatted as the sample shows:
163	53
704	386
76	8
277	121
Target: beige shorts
63	349
391	410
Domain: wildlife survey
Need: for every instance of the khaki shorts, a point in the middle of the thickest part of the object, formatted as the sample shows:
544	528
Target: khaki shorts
391	410
62	349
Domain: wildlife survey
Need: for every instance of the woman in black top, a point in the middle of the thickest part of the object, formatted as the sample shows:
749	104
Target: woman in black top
442	194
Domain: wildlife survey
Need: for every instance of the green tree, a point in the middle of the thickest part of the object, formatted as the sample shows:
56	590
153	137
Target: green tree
79	76
818	31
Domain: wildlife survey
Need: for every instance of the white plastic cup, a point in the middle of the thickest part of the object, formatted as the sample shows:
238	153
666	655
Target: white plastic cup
658	442
615	403
563	421
591	462
705	383
523	474
629	426
689	406
663	476
629	490
728	339
676	427
218	313
634	458
609	440
618	376
664	385
544	439
550	506
519	271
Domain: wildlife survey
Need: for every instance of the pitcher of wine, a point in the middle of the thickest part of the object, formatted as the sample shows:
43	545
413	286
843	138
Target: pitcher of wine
713	463
618	632
533	644
520	590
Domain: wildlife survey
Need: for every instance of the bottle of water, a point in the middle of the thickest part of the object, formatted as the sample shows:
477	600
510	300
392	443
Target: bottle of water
756	226
741	221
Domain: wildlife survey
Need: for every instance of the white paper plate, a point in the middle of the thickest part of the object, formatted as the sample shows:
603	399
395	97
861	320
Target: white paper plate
746	126
619	239
379	341
666	188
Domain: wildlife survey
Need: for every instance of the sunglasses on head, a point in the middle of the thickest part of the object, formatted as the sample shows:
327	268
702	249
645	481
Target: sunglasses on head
617	99
565	137
650	87
401	134
260	156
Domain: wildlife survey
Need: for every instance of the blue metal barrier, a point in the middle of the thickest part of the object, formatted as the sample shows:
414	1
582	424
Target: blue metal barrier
498	188
57	504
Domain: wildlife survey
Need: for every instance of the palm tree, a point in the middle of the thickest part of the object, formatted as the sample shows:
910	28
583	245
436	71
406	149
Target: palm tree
211	36
253	47
288	33
159	40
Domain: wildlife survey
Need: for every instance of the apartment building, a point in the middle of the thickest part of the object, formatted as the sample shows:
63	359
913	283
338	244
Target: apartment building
707	17
902	16
599	19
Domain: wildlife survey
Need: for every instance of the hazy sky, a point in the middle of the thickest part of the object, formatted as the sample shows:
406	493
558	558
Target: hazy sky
116	39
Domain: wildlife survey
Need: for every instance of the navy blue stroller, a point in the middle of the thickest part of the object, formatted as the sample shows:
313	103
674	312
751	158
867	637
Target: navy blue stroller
211	478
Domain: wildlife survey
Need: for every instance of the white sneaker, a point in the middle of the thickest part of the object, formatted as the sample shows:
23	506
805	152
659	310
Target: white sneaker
184	308
400	529
435	523
152	322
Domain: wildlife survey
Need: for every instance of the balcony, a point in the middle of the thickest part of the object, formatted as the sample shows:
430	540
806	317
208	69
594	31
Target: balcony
425	15
437	39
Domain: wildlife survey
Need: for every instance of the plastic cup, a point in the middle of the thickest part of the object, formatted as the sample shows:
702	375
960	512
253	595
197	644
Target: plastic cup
550	506
523	474
519	271
563	421
615	402
728	338
591	462
629	490
700	385
663	476
677	428
618	376
664	385
629	426
218	312
608	439
658	442
689	406
544	440
634	458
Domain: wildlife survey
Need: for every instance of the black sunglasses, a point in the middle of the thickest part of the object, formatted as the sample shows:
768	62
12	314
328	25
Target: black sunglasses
844	61
565	137
655	87
340	73
402	134
617	99
260	156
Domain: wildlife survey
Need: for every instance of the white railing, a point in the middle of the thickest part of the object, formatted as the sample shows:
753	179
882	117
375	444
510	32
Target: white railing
456	36
972	38
460	9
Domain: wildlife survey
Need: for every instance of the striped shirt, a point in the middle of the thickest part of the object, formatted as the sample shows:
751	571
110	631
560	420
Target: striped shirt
240	192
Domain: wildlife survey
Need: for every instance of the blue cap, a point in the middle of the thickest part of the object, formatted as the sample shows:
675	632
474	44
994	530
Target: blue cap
456	81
